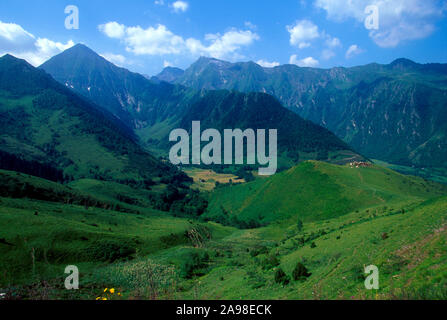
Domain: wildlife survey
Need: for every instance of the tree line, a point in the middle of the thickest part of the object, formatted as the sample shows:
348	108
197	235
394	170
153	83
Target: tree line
12	162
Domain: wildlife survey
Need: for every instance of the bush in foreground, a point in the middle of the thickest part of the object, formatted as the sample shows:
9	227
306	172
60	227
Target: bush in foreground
300	272
281	277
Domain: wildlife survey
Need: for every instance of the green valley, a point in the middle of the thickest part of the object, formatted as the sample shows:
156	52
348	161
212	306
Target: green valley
152	109
358	217
315	191
84	181
393	112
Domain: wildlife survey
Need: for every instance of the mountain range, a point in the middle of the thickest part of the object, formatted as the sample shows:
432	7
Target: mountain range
46	122
395	112
153	108
84	181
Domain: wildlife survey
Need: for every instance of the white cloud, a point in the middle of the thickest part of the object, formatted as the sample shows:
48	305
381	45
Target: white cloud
49	48
353	51
116	59
160	40
160	2
327	54
399	20
302	33
250	25
224	45
113	29
180	6
152	41
167	64
304	45
306	62
13	35
333	42
20	43
267	64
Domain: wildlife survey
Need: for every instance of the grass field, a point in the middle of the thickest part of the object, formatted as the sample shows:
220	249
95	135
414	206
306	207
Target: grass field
42	238
334	220
317	191
435	174
205	180
411	259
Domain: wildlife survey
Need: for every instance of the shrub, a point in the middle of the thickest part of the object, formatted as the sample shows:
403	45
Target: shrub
299	225
281	277
259	250
111	251
269	262
174	239
144	278
300	272
191	262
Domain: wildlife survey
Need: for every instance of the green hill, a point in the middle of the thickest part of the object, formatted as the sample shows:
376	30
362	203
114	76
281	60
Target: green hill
394	112
386	219
407	244
38	239
304	233
41	120
315	191
153	108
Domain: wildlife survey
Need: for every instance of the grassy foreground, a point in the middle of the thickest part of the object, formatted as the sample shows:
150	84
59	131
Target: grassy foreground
395	222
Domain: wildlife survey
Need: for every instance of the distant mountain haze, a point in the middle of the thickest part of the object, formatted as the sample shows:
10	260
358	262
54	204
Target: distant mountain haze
169	74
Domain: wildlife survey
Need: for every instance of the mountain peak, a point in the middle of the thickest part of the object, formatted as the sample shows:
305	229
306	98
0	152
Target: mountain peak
19	77
9	61
81	50
75	59
170	69
202	61
80	47
9	57
206	59
170	74
403	62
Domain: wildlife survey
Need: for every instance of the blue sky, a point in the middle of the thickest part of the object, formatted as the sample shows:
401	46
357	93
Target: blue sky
146	35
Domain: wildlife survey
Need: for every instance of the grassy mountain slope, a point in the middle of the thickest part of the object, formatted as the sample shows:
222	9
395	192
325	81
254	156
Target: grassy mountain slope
392	112
155	108
180	259
44	121
127	95
297	138
315	191
408	246
332	219
42	238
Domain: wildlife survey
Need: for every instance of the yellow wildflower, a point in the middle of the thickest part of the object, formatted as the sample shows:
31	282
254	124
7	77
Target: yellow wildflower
104	298
105	290
112	291
98	298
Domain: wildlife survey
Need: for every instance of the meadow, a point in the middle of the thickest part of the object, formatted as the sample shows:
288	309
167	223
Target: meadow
395	222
